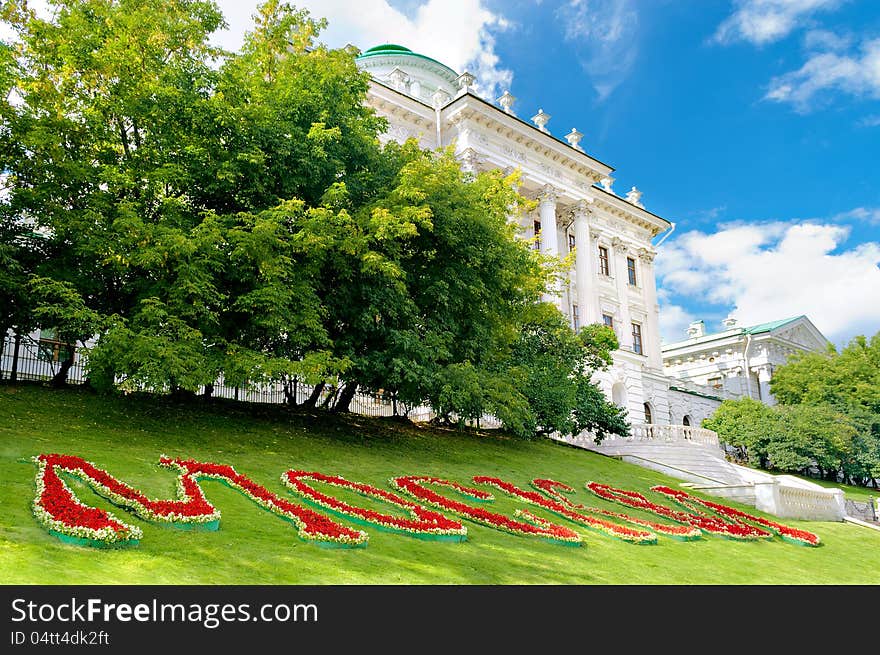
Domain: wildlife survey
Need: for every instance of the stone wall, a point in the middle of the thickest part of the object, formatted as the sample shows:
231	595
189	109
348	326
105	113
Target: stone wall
691	404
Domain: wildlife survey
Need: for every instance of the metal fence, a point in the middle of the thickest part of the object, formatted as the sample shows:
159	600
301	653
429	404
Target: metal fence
29	358
24	357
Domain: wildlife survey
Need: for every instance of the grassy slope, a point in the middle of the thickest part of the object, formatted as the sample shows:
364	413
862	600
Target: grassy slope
127	435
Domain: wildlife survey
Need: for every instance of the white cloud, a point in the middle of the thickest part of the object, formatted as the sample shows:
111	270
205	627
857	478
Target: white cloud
868	214
857	74
873	120
764	272
459	33
825	40
763	21
604	33
674	319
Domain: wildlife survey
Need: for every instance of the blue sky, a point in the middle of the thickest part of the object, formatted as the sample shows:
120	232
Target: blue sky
753	125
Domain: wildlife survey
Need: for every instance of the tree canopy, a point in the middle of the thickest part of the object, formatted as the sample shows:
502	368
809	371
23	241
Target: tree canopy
828	417
233	217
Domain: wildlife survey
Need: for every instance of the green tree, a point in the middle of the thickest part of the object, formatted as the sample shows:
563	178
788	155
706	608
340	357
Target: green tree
552	367
848	379
810	435
172	190
429	275
99	133
846	384
57	305
747	425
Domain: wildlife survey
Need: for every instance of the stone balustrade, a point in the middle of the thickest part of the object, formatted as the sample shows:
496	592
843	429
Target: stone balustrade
674	433
784	499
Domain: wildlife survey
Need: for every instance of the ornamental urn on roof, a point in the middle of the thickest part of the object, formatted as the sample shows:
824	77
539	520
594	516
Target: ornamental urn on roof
506	101
540	119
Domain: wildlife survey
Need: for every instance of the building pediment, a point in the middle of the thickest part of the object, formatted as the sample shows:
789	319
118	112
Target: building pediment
803	334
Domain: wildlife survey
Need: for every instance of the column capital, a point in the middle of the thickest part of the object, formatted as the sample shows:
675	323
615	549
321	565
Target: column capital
470	160
647	255
582	208
763	371
618	244
548	193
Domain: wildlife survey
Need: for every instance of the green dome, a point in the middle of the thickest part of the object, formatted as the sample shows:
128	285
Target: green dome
392	49
387	49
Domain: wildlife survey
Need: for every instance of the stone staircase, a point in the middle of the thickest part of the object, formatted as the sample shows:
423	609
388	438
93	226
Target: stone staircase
694	455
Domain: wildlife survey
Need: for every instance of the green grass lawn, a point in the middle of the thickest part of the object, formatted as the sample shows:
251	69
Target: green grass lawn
126	435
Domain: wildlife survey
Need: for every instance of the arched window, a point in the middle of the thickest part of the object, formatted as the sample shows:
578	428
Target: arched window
649	418
686	420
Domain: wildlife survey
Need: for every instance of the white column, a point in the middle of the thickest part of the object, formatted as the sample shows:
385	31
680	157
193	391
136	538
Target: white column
549	243
649	285
620	276
585	272
764	376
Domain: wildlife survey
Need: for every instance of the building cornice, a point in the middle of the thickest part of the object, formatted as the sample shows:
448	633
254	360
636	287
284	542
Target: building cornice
622	208
528	136
392	101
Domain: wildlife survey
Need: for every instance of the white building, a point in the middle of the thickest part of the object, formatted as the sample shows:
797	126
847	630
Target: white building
740	360
612	280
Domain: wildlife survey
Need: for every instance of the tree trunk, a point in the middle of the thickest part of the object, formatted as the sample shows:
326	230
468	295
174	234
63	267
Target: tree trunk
3	331
312	400
209	390
17	342
289	390
60	379
345	398
334	391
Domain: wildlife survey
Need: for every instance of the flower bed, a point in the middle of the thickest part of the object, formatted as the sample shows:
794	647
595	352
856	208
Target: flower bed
787	533
604	527
414	485
424	524
311	526
555	491
710	524
57	509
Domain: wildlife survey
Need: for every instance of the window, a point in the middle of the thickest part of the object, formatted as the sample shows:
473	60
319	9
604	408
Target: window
537	228
608	320
631	270
637	338
648	417
571	242
575	318
603	260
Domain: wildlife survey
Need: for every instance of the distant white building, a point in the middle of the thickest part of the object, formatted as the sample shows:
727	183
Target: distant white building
740	360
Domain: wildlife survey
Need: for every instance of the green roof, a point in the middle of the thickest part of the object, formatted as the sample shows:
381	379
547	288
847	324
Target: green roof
760	328
387	48
772	325
391	49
